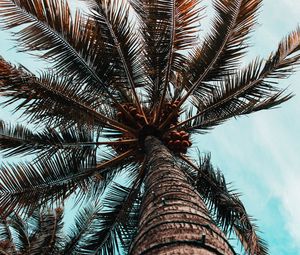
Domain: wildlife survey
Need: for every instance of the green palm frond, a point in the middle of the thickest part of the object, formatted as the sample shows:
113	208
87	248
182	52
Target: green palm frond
225	205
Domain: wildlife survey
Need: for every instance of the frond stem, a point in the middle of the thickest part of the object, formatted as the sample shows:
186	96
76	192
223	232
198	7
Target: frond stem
106	120
210	65
74	53
100	168
109	143
217	55
226	99
125	65
170	60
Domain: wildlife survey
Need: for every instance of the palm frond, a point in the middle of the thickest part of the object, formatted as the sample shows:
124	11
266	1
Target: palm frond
104	175
116	79
188	14
114	22
54	99
84	220
105	231
80	48
251	89
157	24
228	209
112	230
132	224
183	33
41	233
6	238
17	139
5	233
171	52
48	237
27	186
72	43
222	49
69	42
20	233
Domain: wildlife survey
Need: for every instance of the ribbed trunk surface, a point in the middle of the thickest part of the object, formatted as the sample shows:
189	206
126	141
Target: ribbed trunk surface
173	219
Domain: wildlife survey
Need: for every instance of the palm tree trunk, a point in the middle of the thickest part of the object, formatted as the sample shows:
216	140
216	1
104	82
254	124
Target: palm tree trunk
173	217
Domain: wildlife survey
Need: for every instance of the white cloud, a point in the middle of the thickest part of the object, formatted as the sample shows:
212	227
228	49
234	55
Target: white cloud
285	178
279	133
291	6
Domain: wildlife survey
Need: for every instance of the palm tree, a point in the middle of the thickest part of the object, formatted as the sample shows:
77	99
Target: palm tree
130	84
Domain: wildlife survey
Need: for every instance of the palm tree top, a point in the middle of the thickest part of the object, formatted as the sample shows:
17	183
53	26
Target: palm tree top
121	72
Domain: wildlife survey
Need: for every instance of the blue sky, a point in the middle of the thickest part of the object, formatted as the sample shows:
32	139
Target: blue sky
259	154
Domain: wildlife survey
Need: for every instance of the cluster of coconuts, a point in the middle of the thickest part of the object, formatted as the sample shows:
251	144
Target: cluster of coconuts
5	244
178	141
133	111
167	110
140	119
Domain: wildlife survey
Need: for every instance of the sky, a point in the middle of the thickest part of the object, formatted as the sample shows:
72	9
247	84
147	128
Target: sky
258	154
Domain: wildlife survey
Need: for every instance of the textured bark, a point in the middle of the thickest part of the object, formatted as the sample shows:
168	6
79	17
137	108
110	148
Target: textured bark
173	217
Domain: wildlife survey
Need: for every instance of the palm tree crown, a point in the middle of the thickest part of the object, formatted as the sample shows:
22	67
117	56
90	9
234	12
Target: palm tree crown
121	72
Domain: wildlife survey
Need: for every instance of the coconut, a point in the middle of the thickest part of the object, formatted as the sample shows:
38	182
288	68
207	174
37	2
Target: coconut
182	133
170	144
185	137
185	143
184	150
177	144
133	110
